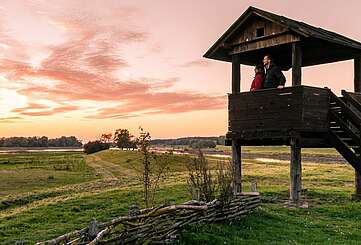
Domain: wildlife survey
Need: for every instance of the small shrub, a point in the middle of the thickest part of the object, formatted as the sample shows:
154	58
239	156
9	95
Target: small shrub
225	176
95	146
200	181
203	186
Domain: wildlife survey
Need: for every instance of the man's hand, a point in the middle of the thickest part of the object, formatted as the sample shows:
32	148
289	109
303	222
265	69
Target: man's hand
280	86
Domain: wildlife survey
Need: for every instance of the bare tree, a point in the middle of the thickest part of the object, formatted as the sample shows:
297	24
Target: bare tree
155	168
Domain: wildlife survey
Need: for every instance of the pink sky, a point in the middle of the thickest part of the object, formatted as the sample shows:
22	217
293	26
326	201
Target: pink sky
88	67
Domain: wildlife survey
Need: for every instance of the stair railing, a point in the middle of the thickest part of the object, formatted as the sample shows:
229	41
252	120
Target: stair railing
350	114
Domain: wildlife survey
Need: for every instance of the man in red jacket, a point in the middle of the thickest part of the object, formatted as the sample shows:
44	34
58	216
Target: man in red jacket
257	82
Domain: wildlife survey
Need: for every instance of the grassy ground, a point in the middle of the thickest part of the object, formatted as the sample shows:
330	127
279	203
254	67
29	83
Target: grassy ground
35	207
28	172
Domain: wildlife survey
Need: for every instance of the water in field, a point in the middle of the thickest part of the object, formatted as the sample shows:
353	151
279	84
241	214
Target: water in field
45	149
270	160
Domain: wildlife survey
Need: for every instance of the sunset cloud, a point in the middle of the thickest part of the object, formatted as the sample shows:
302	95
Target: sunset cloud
78	62
9	119
83	67
196	63
160	103
34	109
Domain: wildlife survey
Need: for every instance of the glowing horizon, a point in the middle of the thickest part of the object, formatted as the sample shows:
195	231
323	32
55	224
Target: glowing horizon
84	68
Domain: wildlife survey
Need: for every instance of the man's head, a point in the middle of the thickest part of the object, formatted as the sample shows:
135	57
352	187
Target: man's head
267	60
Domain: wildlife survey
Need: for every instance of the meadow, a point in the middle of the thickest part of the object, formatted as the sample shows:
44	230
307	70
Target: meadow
43	195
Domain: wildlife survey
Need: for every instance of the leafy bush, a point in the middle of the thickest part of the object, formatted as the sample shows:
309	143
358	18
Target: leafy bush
95	146
123	139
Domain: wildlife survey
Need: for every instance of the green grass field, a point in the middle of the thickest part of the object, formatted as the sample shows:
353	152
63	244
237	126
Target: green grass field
43	195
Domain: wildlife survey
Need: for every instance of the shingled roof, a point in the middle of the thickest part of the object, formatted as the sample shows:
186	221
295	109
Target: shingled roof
306	31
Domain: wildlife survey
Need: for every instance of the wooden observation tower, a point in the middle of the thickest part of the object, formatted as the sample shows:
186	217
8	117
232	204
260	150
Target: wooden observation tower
298	116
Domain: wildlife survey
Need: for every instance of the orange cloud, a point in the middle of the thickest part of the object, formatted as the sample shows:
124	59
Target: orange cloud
31	106
46	111
9	119
158	103
196	63
84	68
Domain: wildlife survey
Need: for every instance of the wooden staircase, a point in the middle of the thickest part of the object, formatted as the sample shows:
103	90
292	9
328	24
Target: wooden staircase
345	127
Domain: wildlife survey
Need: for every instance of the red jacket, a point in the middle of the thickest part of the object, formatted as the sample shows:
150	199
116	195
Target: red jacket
257	82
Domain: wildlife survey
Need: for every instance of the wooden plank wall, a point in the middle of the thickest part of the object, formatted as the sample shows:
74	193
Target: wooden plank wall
315	108
265	42
248	32
292	108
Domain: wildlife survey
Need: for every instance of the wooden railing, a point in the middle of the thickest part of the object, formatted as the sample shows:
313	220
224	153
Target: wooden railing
291	108
346	110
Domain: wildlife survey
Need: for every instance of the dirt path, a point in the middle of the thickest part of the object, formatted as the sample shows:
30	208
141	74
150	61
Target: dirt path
102	168
108	170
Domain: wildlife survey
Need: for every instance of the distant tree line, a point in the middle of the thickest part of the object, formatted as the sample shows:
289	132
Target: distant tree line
124	140
40	141
194	142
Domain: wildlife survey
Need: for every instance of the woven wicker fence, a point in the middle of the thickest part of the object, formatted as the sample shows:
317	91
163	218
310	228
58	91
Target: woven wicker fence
159	224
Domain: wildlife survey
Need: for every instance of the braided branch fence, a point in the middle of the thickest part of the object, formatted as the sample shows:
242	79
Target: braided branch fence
161	224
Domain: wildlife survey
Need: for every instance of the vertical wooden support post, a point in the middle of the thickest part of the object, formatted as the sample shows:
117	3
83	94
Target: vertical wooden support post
357	74
236	147
357	88
236	74
295	165
295	172
237	166
296	64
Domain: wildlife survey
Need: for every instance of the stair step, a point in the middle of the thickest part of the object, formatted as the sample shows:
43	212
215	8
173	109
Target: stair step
338	131
346	139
